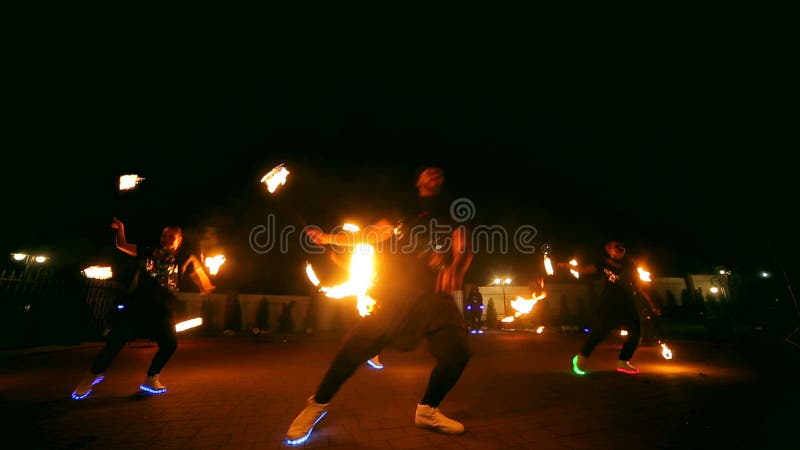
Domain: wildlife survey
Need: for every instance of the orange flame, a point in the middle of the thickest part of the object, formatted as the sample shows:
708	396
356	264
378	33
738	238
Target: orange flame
214	262
362	276
127	182
98	272
666	352
644	275
186	324
275	178
574	272
548	265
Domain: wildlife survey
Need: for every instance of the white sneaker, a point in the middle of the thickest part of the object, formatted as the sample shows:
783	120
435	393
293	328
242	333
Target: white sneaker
152	385
626	367
431	418
84	388
303	424
375	362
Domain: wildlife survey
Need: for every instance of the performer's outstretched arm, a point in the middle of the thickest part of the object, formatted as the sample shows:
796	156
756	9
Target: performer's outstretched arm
121	242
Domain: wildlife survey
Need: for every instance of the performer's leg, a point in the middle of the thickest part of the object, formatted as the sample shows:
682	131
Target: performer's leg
634	327
120	334
449	346
366	340
167	339
598	333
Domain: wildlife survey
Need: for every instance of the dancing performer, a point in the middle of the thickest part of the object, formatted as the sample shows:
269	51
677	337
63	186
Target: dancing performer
617	308
148	308
420	267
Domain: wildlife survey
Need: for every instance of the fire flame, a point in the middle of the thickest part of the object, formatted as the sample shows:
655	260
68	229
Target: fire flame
666	352
574	272
644	275
127	182
213	263
362	276
186	324
548	265
522	306
276	177
98	272
312	276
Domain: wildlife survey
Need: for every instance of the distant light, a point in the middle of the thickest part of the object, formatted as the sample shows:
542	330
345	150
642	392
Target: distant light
765	274
120	307
19	256
539	330
497	281
722	272
714	289
508	280
586	330
40	259
623	332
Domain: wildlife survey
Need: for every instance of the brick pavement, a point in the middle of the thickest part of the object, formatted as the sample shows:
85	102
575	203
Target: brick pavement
242	392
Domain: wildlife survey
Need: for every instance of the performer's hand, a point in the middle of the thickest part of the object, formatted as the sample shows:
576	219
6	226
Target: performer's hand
117	224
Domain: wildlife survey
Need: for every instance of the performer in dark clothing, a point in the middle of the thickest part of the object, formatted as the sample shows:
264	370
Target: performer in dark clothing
617	309
148	307
422	260
473	309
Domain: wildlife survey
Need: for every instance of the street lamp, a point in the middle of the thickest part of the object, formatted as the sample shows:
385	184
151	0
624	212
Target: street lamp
503	282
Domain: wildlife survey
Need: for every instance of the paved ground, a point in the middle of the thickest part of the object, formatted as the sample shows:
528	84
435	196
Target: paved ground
518	392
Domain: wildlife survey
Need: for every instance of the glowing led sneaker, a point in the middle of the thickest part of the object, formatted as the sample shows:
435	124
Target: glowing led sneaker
84	388
375	362
579	364
626	367
302	426
431	418
151	385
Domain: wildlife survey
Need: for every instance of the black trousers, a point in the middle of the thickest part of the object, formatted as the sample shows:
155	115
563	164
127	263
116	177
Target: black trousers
620	313
158	326
435	318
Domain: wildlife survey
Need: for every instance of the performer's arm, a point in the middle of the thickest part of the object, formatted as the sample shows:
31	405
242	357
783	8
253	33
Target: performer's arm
198	274
121	242
373	234
452	277
589	269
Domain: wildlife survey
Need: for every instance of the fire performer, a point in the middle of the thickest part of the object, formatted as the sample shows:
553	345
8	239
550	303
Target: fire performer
618	306
149	305
418	272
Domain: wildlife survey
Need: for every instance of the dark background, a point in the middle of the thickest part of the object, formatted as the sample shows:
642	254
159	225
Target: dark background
667	126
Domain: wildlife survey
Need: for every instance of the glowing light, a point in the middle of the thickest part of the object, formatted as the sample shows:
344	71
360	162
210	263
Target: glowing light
98	272
128	182
508	281
302	439
644	275
362	274
187	324
623	332
666	352
374	365
19	256
524	305
574	272
275	178
497	281
627	371
713	289
508	319
765	274
120	307
575	367
213	263
351	227
540	330
548	265
312	276
40	259
150	390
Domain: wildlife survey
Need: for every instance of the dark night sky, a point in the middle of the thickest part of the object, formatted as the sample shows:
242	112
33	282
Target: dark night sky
665	127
